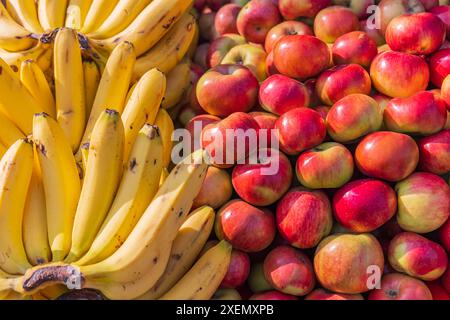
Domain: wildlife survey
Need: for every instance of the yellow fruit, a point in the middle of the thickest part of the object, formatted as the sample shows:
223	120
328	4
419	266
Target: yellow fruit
165	124
52	13
178	82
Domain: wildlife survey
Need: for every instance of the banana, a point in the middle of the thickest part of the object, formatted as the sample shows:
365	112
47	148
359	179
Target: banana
84	149
69	86
165	124
41	53
178	82
3	150
143	106
190	240
25	13
103	172
16	167
7	284
16	102
164	174
91	82
13	37
9	133
194	44
123	14
76	13
52	13
53	292
99	11
35	81
202	281
130	92
170	50
149	26
138	187
61	182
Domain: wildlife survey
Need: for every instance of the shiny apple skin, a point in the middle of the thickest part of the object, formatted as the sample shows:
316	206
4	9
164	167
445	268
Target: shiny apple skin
322	294
272	295
397	286
443	13
226	19
439	64
251	56
435	153
216	189
293	9
221	46
266	121
354	47
202	120
283	29
333	22
238	270
445	91
389	9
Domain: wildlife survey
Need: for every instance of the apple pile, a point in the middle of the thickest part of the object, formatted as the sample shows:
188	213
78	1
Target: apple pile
360	106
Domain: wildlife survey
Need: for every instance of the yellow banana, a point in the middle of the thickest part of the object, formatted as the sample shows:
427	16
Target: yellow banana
84	149
3	150
13	37
190	240
99	11
164	174
121	16
102	177
61	182
53	292
9	133
170	50
194	43
149	26
166	127
130	92
41	53
52	13
142	107
178	82
76	13
16	102
69	86
138	187
91	81
202	281
16	167
25	13
35	81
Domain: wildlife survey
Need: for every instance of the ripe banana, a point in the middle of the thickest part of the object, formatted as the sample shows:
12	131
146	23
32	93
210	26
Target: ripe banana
142	107
13	37
178	82
190	240
166	127
16	167
202	281
84	149
130	92
170	50
3	150
121	16
164	174
9	133
148	27
194	44
41	53
61	182
103	172
76	13
35	81
99	11
91	82
138	187
25	13
52	13
69	86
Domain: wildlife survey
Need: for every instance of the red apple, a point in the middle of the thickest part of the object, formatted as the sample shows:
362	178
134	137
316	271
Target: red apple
381	99
439	66
364	205
387	155
343	262
289	271
443	13
333	22
201	55
283	29
300	129
444	235
206	26
246	227
221	46
272	295
322	294
216	4
435	153
417	256
266	121
398	74
389	9
293	9
216	189
438	291
226	19
373	33
354	47
256	280
270	65
323	110
301	56
304	217
359	7
314	98
416	195
353	117
397	286
249	55
445	91
196	125
238	270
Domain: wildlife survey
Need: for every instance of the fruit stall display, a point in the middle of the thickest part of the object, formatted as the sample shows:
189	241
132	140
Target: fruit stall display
355	92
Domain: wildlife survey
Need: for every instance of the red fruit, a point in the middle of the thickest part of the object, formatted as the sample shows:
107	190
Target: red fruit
389	9
437	290
293	9
435	153
238	270
266	121
354	47
272	295
373	33
314	98
196	125
443	13
226	19
439	66
216	189
333	22
322	294
396	286
221	46
446	280
444	235
283	29
445	91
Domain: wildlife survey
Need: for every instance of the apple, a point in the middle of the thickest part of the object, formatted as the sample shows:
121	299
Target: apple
304	217
238	270
206	26
364	205
226	19
387	155
444	235
322	294
226	89
226	294
221	46
313	97
249	55
389	9
439	66
266	121
397	286
435	153
352	117
373	32
429	4
301	56
187	112
438	291
283	29
323	110
398	74
201	55
300	129
293	9
279	94
216	4
329	165
354	47
417	256
416	195
289	270
200	121
216	189
359	7
419	33
246	227
333	22
272	295
256	280
343	262
445	91
381	99
443	13
240	3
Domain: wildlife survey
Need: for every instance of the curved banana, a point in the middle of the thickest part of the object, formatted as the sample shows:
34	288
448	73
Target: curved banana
61	182
9	133
102	177
76	13
142	107
178	82
69	86
164	174
13	37
166	127
35	81
130	92
121	16
138	187
52	13
16	168
170	50
84	149
149	26
91	81
202	281
190	240
25	13
41	53
99	11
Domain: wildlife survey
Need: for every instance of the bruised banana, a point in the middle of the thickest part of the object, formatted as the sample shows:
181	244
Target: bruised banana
99	11
166	127
52	13
13	37
24	11
178	82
